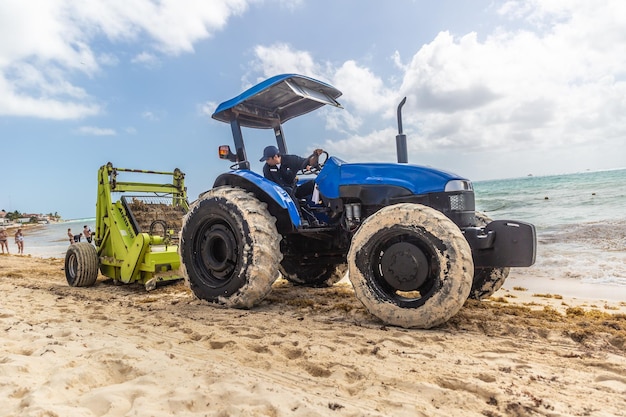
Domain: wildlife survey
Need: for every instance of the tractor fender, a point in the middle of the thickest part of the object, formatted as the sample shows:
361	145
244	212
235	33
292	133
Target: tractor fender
279	202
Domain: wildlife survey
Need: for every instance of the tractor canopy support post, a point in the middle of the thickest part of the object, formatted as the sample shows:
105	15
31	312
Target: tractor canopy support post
240	149
280	139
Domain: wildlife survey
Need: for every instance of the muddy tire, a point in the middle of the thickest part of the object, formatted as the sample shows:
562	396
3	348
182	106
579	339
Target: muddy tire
229	248
410	266
487	280
318	275
81	265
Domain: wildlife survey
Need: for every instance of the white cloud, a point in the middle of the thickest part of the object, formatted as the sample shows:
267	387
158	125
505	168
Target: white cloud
526	88
172	25
560	84
364	91
374	147
343	121
280	58
146	59
96	131
148	115
17	102
44	43
207	109
291	4
557	79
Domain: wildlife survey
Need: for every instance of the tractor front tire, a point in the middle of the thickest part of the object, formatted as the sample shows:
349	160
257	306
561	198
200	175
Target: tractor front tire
487	280
410	266
229	248
81	265
316	275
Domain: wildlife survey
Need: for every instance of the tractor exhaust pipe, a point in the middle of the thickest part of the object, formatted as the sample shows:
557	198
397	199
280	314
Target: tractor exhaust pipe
401	147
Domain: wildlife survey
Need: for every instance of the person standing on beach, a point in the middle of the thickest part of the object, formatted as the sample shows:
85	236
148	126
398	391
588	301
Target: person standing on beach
3	240
19	241
71	236
87	233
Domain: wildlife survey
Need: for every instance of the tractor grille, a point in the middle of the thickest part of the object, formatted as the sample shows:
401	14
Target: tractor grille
457	202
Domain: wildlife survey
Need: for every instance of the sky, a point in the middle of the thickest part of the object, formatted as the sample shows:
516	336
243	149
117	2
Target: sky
495	89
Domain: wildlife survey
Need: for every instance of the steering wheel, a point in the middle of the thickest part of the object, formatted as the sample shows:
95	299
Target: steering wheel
317	167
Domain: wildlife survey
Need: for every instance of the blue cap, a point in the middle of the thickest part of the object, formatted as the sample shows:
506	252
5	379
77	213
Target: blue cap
269	152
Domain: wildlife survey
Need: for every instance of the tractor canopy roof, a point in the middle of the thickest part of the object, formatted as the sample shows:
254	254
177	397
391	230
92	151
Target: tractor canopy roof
276	100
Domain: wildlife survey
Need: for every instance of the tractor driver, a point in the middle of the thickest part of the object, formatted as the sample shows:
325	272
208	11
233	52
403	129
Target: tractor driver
282	170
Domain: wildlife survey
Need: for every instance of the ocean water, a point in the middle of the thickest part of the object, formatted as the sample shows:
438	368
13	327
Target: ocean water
49	240
580	221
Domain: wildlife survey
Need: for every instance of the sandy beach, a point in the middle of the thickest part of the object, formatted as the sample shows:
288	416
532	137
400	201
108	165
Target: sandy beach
535	348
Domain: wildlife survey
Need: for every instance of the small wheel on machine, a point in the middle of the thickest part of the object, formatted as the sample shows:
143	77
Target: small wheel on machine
81	265
229	248
410	266
487	280
317	275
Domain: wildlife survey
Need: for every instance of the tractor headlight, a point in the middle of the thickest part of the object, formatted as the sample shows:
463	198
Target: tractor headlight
459	185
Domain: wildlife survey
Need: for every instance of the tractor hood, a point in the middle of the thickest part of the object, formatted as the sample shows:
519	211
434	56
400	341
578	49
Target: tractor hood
276	100
417	179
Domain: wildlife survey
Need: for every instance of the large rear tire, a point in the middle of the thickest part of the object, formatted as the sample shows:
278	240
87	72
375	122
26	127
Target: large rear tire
81	265
229	248
410	266
487	280
316	275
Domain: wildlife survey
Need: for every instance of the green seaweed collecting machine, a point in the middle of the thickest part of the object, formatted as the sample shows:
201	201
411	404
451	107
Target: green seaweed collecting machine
136	237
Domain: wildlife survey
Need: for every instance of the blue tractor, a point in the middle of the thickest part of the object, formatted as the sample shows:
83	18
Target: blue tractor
409	237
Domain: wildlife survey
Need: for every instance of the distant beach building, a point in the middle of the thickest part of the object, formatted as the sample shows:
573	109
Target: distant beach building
33	218
7	219
3	218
